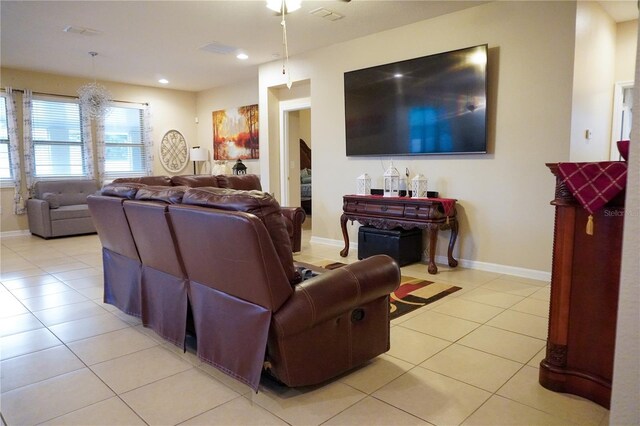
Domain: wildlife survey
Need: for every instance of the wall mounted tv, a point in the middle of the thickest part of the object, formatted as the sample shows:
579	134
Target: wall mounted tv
430	105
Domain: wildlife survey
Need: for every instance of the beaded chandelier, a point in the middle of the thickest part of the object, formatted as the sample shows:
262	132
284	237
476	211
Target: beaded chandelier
94	98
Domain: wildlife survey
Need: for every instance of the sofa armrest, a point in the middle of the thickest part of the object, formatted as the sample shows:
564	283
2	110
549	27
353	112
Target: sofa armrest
39	217
296	216
335	292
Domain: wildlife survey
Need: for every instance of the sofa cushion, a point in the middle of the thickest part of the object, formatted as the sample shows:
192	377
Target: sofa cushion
126	190
70	212
242	182
261	204
68	191
195	181
165	194
52	199
146	180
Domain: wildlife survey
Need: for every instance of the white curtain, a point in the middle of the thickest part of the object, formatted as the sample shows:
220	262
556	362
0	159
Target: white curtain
27	145
87	151
14	153
148	141
100	148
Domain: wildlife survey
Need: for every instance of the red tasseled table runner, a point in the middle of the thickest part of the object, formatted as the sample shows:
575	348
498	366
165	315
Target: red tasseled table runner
448	204
594	184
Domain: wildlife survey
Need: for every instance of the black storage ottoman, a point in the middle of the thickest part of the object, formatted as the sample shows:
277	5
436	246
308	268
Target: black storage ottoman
405	246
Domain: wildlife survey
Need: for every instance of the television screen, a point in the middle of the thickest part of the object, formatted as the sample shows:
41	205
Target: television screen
430	105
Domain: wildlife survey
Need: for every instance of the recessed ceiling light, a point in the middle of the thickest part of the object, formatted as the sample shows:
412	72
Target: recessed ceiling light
163	81
242	56
398	75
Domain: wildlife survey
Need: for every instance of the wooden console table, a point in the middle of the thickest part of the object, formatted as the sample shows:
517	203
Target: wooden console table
381	212
585	279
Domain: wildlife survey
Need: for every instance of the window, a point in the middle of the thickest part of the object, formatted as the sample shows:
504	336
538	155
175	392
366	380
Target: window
5	159
124	142
57	138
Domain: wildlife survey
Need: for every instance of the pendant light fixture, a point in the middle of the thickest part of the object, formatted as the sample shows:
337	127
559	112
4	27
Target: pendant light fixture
94	98
283	7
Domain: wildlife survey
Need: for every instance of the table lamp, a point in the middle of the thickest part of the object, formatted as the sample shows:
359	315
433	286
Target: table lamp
197	154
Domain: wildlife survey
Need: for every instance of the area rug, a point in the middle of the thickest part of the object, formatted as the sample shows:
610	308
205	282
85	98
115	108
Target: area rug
412	294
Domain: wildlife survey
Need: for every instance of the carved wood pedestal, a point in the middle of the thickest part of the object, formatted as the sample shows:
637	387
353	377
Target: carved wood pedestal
584	298
402	212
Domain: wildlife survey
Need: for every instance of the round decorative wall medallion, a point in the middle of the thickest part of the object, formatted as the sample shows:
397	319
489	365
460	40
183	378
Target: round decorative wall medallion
174	152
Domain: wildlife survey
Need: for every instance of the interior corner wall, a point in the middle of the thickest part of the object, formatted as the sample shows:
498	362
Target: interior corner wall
170	109
504	211
626	46
593	83
220	98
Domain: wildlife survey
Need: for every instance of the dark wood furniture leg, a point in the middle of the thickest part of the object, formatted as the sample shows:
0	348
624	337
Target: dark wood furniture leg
343	224
433	238
452	242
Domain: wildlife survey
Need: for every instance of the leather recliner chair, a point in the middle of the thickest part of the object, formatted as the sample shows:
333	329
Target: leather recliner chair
120	260
245	298
164	284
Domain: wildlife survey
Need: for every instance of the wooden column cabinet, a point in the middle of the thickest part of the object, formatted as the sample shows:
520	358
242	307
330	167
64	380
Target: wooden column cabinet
585	280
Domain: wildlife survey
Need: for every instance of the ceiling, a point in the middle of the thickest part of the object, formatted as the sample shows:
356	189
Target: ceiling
139	42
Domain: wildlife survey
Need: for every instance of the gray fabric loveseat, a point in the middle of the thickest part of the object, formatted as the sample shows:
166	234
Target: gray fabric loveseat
59	208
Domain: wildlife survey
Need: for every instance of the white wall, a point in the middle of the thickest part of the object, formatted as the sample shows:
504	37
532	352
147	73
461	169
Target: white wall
504	196
626	368
626	45
233	96
170	109
593	81
305	126
293	133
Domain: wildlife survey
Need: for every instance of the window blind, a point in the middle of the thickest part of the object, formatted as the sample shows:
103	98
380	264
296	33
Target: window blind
5	160
124	142
57	138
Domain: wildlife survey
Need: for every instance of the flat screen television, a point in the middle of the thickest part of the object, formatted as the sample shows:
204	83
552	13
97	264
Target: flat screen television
435	104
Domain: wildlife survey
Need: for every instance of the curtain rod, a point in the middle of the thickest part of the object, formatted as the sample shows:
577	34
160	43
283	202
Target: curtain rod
76	97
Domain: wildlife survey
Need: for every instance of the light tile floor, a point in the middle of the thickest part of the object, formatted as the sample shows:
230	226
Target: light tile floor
68	359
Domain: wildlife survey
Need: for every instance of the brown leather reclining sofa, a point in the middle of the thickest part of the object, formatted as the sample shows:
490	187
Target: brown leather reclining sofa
219	262
294	216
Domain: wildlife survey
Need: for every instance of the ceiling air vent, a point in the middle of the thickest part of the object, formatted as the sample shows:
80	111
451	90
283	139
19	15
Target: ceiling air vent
81	30
330	15
218	48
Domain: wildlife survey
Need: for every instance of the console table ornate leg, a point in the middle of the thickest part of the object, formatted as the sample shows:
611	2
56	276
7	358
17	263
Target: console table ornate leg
452	242
343	224
433	238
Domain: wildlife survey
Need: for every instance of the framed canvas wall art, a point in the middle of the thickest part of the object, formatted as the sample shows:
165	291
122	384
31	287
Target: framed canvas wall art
236	134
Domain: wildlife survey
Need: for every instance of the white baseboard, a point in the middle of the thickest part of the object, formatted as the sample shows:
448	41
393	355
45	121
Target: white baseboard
20	233
471	264
500	269
331	242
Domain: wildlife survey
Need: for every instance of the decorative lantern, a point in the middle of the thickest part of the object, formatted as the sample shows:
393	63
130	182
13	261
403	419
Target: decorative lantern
419	186
364	185
391	182
239	168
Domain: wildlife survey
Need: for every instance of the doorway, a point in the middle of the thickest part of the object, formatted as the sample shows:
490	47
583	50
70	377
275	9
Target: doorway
622	113
295	162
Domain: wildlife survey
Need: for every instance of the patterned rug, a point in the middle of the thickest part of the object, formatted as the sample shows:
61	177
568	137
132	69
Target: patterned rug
412	294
